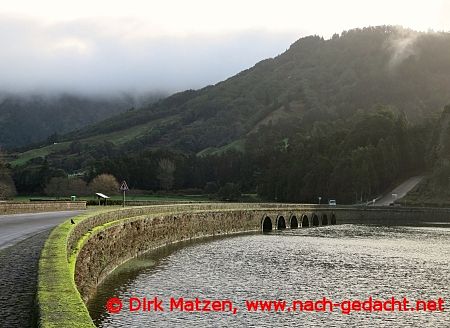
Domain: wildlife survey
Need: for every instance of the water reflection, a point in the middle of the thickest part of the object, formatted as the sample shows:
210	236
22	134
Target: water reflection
339	262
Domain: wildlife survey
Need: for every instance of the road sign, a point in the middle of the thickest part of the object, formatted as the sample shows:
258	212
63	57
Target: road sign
124	186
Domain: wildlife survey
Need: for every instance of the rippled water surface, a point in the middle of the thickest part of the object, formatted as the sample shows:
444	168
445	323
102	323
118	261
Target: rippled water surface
338	262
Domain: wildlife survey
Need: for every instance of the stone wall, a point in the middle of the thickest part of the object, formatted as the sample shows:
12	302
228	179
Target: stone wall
83	254
148	228
30	207
107	248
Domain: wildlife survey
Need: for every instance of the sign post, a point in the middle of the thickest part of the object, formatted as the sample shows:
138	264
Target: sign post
124	188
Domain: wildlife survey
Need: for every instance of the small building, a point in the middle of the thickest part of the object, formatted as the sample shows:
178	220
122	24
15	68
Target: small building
101	197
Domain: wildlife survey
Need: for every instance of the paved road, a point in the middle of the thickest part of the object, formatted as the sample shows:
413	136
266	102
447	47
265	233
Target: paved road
400	190
14	228
18	281
22	237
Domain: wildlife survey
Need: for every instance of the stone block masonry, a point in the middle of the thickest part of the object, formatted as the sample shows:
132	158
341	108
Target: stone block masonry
33	207
76	258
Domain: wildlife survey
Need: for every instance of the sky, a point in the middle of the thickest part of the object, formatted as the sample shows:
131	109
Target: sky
138	46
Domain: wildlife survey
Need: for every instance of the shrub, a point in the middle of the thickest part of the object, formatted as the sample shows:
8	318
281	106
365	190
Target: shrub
104	183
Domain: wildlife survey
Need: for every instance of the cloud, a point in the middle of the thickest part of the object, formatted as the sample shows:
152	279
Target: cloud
402	46
88	56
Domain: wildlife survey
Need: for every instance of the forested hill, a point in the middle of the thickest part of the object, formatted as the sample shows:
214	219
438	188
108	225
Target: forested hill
28	119
343	118
435	188
315	79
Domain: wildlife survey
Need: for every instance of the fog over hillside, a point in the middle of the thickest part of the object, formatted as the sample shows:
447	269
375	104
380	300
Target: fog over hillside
109	47
27	119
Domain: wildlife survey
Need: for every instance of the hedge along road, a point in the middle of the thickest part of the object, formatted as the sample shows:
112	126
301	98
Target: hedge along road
22	237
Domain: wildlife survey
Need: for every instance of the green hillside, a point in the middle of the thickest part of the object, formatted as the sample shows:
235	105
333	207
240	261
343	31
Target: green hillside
343	101
435	188
31	119
315	79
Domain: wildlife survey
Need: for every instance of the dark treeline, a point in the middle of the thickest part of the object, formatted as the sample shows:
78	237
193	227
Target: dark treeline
351	160
435	189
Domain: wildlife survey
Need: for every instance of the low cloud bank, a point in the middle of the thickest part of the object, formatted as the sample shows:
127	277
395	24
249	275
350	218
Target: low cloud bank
86	57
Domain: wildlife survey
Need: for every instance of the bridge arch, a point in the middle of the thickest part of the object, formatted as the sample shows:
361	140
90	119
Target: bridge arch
324	219
305	221
281	223
266	224
315	220
294	222
333	219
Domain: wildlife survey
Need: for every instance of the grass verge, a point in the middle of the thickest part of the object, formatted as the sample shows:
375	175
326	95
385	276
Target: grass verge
59	303
58	300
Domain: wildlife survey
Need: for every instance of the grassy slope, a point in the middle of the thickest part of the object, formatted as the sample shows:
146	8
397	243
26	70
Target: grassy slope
118	138
235	145
24	157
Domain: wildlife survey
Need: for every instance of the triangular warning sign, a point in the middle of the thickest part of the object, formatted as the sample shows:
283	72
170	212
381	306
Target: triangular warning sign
124	186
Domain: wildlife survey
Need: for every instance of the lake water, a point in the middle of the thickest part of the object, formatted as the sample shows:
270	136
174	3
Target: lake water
343	262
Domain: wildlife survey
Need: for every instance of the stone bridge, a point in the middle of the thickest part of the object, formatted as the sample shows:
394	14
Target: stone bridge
297	219
316	216
77	257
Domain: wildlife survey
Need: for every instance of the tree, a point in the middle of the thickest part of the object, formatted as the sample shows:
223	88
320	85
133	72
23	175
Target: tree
211	188
56	187
7	190
166	169
7	187
63	186
76	147
230	192
104	183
